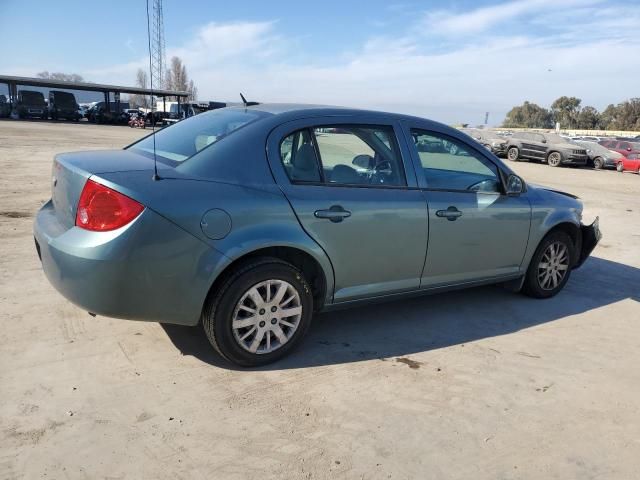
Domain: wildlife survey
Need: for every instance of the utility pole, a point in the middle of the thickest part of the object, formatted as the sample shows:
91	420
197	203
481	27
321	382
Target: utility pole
158	60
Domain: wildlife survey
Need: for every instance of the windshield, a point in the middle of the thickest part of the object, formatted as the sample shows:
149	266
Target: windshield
184	139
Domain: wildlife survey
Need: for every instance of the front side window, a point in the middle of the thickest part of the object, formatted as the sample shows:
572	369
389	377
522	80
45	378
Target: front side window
344	155
450	164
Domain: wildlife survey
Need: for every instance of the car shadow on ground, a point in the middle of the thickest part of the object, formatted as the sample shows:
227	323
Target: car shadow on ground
404	327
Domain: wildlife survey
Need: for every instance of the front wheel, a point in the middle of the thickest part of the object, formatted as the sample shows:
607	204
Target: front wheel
620	167
260	313
513	153
550	266
554	159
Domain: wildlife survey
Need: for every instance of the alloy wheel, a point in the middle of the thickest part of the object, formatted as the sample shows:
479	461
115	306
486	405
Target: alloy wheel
266	316
553	266
512	154
598	163
554	159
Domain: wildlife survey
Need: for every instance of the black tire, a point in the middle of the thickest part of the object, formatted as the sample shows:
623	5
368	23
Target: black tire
513	154
532	286
598	163
554	159
218	313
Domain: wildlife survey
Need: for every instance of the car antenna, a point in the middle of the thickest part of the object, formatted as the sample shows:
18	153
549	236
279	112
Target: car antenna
247	103
153	120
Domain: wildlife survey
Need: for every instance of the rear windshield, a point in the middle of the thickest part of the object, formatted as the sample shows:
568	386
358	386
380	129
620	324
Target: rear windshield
34	98
181	141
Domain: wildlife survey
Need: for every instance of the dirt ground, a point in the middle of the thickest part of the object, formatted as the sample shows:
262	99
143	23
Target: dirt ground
479	384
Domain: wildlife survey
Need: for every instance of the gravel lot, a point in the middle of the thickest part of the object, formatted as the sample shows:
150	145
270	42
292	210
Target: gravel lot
471	385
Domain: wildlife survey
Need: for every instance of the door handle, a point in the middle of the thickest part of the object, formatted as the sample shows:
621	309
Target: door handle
451	213
335	213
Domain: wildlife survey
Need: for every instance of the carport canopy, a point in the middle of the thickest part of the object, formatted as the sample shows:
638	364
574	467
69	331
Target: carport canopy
13	82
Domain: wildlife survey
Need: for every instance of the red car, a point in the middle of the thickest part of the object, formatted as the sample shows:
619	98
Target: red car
629	163
624	147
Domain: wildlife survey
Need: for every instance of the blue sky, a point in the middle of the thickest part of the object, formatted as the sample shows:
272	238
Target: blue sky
451	61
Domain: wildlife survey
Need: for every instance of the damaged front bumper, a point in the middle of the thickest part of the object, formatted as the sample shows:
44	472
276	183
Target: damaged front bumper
591	235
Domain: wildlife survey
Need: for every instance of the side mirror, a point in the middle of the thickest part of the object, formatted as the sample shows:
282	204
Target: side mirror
515	185
628	149
363	161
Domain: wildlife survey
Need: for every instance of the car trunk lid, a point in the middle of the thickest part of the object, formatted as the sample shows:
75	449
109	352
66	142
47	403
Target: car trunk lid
72	170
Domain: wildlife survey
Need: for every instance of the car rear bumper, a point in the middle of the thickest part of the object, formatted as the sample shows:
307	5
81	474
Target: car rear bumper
591	235
148	270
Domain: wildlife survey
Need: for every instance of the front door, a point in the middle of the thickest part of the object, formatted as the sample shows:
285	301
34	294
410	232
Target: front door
350	191
475	231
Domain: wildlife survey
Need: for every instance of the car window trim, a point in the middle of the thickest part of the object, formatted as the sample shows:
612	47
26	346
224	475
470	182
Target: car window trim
501	174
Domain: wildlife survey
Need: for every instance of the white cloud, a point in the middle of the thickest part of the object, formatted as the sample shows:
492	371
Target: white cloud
481	19
408	74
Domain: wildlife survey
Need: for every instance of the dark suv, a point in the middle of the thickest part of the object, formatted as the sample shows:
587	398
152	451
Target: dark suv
545	147
488	139
31	104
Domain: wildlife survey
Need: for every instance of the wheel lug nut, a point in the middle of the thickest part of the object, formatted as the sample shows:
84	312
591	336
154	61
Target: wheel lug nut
262	324
274	308
274	321
261	312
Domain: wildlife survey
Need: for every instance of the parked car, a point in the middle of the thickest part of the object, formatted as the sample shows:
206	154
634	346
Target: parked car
599	156
63	105
99	114
488	139
545	147
624	147
630	163
258	217
31	104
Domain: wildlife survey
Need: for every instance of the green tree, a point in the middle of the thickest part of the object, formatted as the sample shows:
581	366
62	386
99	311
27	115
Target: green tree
628	115
565	110
528	115
588	118
608	117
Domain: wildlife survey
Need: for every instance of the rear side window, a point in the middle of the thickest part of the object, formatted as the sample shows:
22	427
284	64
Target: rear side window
298	156
344	155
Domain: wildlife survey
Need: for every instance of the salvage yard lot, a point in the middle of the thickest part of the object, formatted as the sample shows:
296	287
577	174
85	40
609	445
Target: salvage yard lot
475	384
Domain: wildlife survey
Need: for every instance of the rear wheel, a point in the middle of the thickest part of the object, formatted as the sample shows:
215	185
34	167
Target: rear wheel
598	163
513	153
550	266
554	159
260	312
620	167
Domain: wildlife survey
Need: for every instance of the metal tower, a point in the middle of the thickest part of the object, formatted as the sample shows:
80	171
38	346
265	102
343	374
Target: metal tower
158	60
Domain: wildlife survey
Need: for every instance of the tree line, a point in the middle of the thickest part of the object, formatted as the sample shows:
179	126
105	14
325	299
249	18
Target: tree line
569	112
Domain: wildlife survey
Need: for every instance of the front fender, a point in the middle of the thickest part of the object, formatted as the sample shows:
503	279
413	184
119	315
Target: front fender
545	219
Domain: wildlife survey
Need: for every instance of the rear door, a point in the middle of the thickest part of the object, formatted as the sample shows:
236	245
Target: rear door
354	191
476	232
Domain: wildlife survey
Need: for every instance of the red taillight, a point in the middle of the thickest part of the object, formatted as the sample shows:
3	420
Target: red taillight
101	209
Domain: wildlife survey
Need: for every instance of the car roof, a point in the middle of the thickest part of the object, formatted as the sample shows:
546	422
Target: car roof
301	110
